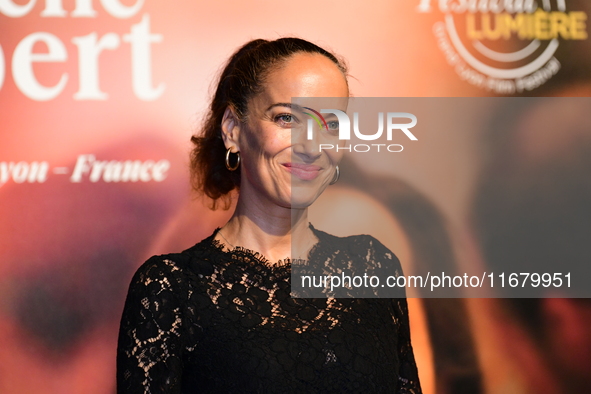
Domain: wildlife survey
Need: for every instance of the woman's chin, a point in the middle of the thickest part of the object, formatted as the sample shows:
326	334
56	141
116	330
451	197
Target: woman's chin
303	197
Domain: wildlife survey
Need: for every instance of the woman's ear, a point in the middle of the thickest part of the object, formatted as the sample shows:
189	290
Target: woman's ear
231	130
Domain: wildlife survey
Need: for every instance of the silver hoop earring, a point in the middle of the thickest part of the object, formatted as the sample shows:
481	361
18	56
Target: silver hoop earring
228	166
336	176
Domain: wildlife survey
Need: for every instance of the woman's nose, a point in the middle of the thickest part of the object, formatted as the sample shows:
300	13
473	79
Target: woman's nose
306	142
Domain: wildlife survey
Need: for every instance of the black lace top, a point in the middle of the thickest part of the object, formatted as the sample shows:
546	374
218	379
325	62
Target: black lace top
211	321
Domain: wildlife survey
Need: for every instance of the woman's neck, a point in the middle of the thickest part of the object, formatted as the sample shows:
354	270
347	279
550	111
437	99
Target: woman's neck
276	233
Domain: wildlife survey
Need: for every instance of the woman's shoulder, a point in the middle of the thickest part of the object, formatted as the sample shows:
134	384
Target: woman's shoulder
360	244
159	266
156	275
349	262
171	268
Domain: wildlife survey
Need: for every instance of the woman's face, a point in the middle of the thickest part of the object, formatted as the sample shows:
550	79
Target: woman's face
279	164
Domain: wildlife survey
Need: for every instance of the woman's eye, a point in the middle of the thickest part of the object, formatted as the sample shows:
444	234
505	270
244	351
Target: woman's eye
333	125
284	119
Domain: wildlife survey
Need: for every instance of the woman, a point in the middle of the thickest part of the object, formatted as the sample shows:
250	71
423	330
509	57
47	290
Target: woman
218	317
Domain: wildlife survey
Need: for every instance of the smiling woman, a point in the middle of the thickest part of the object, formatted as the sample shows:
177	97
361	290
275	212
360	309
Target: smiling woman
274	161
218	317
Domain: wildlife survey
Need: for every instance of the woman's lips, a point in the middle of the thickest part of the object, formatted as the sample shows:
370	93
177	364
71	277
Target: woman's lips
305	172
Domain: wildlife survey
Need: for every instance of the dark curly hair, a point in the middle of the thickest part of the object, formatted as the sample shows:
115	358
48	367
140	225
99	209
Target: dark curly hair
241	79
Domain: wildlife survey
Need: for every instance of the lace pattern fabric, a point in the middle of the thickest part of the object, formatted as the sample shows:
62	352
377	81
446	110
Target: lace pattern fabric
210	320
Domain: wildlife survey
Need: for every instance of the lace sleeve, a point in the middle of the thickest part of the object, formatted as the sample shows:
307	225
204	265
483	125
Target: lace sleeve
408	377
149	348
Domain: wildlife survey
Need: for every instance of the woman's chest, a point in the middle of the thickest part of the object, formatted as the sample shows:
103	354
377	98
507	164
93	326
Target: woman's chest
243	340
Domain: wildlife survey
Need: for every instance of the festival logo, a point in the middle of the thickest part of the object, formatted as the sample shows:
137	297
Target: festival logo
504	46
